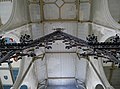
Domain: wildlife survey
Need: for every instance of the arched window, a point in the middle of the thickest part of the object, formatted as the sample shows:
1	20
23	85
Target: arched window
24	87
99	86
9	40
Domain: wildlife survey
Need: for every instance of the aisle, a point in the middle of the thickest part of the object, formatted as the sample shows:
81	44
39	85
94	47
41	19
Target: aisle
63	87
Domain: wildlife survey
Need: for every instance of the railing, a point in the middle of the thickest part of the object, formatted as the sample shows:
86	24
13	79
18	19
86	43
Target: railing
43	84
99	49
80	83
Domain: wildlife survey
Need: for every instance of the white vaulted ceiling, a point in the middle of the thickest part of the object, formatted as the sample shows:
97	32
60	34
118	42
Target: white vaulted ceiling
114	6
16	13
38	11
5	11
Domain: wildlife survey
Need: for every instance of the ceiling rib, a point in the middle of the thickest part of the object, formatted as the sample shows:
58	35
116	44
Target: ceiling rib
41	11
5	0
